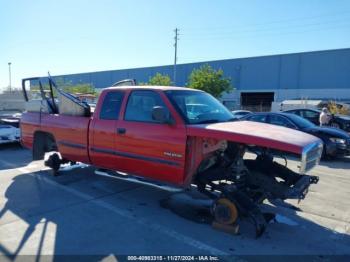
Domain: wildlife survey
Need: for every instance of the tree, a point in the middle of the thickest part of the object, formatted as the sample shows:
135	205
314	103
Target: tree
68	86
82	88
209	80
158	80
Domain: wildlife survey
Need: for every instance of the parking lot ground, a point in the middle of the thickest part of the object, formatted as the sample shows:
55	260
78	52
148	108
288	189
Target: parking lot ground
80	213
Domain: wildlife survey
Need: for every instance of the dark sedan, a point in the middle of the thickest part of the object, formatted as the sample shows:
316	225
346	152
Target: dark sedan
336	141
338	121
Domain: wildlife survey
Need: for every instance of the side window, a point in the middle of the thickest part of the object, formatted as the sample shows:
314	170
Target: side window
281	121
310	114
295	112
140	106
298	112
257	118
111	105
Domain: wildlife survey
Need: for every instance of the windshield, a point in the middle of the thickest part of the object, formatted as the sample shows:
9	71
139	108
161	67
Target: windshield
198	107
300	122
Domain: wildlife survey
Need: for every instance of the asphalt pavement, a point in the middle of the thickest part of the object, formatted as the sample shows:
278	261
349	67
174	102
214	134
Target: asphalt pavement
81	213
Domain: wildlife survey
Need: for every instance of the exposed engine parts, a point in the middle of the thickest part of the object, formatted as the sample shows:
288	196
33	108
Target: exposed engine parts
240	185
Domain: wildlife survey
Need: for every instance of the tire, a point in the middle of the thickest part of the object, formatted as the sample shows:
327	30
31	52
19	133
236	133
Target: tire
324	154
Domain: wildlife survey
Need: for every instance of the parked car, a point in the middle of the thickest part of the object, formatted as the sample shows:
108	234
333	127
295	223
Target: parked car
11	119
9	128
237	114
307	104
338	121
336	141
173	136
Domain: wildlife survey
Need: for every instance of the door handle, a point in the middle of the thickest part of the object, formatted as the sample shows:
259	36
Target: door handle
121	131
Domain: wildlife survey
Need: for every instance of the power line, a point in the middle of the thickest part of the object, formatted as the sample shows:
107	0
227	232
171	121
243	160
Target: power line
258	30
176	38
325	15
259	33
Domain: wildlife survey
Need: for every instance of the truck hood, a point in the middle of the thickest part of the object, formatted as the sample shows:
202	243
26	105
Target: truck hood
254	133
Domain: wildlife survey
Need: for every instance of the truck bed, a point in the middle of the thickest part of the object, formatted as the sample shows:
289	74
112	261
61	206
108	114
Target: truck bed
70	132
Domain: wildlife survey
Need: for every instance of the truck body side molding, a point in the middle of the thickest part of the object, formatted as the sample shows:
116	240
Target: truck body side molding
129	155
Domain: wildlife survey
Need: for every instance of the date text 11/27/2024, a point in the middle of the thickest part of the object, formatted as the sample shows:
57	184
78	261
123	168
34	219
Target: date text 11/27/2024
173	258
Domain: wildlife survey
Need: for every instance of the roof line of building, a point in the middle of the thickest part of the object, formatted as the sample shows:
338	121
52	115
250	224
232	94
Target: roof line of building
209	61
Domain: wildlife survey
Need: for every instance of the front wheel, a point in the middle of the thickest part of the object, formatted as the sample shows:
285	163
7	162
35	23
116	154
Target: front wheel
327	155
225	211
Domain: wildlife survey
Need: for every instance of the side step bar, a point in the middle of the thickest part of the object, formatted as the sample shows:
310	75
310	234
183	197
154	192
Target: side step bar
138	180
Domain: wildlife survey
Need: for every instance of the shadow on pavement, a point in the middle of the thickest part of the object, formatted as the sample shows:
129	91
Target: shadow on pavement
284	227
83	229
41	205
340	162
7	151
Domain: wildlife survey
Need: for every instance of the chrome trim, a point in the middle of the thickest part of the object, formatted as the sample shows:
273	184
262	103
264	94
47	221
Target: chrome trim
316	158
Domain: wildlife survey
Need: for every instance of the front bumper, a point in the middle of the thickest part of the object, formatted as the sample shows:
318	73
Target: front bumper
9	134
338	149
8	141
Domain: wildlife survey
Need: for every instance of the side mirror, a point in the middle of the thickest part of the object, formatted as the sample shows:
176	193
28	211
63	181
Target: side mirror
161	115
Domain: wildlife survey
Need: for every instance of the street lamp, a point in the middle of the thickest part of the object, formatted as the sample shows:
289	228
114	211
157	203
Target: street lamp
9	63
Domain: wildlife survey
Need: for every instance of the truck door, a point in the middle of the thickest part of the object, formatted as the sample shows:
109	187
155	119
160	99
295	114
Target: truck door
103	131
149	148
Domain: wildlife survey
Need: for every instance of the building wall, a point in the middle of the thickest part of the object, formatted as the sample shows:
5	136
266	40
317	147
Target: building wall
319	74
12	100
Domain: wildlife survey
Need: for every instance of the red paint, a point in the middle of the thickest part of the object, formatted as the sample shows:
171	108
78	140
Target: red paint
169	153
260	134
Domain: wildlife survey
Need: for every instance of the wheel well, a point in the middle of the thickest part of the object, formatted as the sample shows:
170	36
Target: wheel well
43	142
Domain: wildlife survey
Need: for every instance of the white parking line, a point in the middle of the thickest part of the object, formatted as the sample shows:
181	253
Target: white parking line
156	227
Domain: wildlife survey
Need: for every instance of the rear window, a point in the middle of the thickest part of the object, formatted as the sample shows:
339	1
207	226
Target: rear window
111	105
257	118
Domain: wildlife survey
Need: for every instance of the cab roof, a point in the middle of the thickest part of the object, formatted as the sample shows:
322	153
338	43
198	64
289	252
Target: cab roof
162	88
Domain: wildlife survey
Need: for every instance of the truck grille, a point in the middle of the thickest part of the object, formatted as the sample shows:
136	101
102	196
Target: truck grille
311	156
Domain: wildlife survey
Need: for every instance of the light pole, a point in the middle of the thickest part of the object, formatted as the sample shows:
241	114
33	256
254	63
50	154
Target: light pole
9	63
175	59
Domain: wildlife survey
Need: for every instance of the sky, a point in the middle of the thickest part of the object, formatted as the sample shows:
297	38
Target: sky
75	36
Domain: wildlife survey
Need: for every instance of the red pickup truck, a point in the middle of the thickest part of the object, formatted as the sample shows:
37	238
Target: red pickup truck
174	136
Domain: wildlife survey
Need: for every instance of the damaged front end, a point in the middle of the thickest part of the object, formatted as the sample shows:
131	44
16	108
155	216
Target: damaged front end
246	183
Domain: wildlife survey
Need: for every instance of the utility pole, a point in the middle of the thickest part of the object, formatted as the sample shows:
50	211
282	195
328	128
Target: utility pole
175	58
10	86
